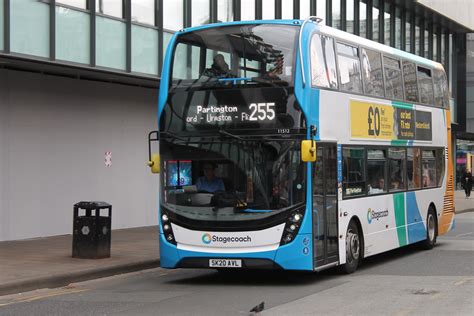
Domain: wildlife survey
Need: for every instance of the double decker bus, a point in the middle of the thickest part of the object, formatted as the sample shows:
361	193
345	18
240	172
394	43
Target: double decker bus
292	145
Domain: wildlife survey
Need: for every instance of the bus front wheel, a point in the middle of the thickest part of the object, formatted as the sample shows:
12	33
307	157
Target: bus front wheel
353	248
431	229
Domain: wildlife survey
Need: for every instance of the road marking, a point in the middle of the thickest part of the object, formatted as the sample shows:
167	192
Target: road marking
43	296
461	282
462	235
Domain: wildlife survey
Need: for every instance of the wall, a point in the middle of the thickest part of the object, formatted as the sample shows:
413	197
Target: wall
457	10
54	133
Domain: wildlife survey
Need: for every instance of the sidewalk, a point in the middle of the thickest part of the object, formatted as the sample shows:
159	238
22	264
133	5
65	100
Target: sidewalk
46	262
462	204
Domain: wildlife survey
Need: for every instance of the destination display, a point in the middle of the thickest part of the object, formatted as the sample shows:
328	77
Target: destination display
385	122
212	114
233	109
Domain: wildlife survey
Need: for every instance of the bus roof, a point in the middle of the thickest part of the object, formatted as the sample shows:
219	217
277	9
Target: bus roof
333	32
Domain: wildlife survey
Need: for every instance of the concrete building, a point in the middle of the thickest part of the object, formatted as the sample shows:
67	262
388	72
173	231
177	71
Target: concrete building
78	90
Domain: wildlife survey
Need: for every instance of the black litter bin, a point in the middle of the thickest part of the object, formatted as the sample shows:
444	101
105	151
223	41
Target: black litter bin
91	230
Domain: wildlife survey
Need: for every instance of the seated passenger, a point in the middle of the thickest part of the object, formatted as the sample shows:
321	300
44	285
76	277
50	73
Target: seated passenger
219	68
209	182
378	187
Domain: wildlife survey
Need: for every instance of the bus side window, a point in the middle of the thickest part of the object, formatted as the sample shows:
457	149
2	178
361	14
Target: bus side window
440	159
413	168
372	72
393	78
411	87
429	168
349	68
353	171
426	85
323	62
440	89
376	163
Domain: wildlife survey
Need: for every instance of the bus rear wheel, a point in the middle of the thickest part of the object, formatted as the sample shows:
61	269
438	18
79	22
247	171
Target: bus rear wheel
353	248
431	230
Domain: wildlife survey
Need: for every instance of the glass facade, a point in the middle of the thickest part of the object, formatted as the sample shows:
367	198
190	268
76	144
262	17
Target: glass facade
29	31
173	15
134	47
363	19
321	10
143	11
110	7
350	16
375	21
82	4
387	24
200	12
398	29
144	50
268	9
336	14
247	10
1	24
110	43
287	10
304	9
72	35
224	11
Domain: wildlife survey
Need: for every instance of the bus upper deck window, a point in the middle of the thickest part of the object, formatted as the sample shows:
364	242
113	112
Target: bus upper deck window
323	62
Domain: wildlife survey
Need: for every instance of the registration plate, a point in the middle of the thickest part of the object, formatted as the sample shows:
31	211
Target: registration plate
225	263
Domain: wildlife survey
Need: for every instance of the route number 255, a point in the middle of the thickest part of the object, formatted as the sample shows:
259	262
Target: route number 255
262	111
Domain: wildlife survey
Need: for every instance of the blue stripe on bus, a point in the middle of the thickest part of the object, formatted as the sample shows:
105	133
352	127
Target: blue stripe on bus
416	228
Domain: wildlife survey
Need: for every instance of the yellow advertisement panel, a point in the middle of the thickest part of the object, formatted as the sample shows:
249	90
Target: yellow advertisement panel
372	120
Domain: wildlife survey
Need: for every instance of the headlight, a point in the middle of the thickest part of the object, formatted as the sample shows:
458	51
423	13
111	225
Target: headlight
292	226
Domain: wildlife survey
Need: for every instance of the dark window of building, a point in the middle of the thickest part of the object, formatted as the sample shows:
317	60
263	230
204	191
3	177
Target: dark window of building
376	161
386	21
413	168
441	94
323	62
426	85
411	86
353	171
349	68
336	14
397	166
372	73
393	78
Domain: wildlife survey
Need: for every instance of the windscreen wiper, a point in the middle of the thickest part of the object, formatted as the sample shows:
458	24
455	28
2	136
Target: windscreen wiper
223	132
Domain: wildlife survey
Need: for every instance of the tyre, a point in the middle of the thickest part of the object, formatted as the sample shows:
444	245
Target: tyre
431	230
353	248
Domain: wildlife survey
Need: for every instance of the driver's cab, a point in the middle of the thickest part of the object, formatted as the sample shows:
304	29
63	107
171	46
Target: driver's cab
198	182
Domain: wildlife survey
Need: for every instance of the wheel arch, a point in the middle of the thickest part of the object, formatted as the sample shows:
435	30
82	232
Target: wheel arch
356	220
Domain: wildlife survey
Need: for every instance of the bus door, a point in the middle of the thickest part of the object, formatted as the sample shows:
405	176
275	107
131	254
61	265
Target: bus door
325	232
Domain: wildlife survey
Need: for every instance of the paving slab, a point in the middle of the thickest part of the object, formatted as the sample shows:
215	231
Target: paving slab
47	262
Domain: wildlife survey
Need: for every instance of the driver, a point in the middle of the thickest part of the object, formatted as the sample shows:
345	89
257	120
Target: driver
209	182
219	68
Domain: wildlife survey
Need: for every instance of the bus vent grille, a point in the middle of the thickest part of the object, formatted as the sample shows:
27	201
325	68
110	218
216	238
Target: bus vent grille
450	186
448	206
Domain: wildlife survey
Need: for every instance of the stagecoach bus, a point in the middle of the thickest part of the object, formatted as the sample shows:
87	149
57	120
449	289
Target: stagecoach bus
288	144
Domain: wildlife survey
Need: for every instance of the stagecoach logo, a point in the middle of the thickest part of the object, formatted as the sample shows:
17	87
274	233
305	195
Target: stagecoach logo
208	238
372	214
